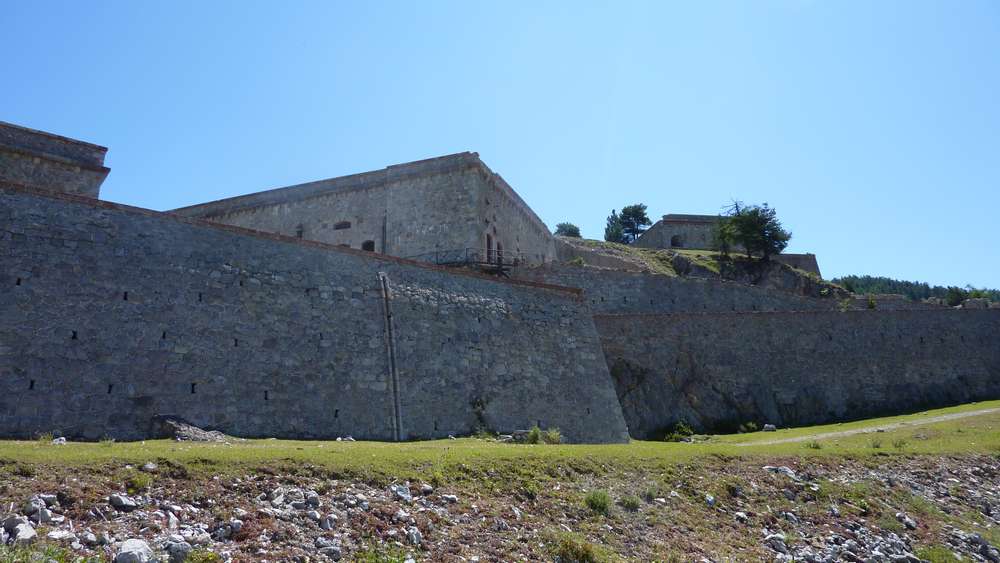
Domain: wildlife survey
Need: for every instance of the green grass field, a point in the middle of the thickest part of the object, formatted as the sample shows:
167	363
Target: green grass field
470	459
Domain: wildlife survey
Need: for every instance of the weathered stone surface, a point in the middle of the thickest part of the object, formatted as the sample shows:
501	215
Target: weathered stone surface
623	292
134	551
447	203
50	162
716	371
255	335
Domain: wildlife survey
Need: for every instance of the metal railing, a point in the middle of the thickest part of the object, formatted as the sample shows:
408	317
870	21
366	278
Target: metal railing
471	257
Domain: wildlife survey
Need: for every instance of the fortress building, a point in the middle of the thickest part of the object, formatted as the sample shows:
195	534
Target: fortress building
440	209
697	232
369	305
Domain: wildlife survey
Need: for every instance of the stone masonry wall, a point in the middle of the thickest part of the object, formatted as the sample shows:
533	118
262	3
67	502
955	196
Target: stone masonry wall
511	223
110	315
690	234
402	210
615	291
716	371
47	161
419	208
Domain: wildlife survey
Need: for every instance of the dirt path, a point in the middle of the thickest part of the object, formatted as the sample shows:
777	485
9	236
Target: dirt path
883	427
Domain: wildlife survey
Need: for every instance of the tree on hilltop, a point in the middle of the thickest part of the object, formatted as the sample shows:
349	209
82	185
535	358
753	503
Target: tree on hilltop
567	230
754	227
626	226
613	231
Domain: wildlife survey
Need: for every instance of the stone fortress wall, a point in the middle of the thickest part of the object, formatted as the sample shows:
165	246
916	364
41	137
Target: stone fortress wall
40	159
626	292
442	204
718	370
112	315
249	316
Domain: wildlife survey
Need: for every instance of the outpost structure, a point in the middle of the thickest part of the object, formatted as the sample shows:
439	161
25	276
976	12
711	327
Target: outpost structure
418	301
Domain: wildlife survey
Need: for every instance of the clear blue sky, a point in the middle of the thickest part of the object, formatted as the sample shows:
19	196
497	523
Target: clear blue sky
872	127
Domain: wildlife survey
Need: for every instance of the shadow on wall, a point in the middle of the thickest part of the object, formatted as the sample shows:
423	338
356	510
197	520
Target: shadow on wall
718	371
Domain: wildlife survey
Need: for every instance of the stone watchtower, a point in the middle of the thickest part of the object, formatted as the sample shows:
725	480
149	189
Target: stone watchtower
51	162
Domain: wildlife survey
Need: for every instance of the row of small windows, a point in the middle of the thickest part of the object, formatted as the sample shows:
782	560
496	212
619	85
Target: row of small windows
368	245
342	225
194	391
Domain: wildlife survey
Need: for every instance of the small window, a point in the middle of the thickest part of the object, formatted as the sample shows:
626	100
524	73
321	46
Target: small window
368	245
342	225
299	231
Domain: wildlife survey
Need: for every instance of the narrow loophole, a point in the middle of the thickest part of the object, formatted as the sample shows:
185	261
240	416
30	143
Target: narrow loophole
236	342
336	413
18	281
435	425
110	387
31	385
266	396
163	336
199	298
73	336
125	296
193	385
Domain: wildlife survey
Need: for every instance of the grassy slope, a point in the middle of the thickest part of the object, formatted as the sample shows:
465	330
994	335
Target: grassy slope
469	459
495	475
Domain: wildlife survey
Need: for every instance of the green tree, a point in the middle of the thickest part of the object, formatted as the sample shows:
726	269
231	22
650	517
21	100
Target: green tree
628	225
758	229
955	296
614	231
567	230
916	291
634	220
725	236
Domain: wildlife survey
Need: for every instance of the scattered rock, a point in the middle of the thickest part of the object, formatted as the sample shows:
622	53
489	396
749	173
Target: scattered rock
402	492
784	470
22	534
776	542
178	549
910	523
333	552
328	522
413	535
183	431
122	503
770	428
451	499
134	551
61	536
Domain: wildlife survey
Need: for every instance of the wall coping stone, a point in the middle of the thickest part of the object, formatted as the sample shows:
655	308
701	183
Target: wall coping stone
40	143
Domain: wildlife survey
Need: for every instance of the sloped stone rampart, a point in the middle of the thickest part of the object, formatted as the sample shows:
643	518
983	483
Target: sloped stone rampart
110	316
716	371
